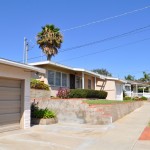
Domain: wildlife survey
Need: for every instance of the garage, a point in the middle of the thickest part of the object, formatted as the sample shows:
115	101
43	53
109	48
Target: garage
15	94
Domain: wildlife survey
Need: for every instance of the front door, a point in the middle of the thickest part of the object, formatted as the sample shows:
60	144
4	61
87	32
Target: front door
72	81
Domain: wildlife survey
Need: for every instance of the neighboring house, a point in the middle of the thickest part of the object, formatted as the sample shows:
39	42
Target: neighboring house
58	75
131	88
15	94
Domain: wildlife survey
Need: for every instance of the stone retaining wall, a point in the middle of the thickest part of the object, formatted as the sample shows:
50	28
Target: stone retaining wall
39	94
76	111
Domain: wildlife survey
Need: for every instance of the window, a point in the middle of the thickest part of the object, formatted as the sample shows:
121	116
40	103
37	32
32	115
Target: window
58	79
64	79
51	77
89	84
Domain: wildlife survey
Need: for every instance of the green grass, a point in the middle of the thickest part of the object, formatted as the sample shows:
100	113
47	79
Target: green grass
102	101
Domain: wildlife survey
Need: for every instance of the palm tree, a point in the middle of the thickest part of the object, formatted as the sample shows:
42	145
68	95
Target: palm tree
49	40
146	77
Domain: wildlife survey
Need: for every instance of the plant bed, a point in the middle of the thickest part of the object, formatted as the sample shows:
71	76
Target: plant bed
42	116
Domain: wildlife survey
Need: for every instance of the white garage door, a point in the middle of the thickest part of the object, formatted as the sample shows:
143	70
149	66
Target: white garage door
10	104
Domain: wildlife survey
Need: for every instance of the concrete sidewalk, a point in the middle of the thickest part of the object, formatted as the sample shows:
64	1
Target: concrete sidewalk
126	132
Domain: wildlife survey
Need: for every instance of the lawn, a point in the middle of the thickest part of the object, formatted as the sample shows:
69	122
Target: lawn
102	101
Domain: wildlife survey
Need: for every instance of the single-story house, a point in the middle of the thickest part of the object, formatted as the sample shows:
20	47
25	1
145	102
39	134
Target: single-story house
131	88
15	94
58	75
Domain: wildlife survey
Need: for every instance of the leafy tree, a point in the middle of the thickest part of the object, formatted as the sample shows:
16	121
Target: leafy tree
130	77
146	77
102	72
49	40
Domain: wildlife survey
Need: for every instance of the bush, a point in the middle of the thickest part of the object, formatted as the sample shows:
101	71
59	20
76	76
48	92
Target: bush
127	98
36	84
36	112
86	93
136	98
63	93
143	98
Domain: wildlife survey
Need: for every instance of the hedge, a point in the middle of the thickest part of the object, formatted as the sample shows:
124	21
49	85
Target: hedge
86	93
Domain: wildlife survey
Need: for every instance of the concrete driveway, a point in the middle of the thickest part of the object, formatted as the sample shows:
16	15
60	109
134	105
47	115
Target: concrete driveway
53	137
121	135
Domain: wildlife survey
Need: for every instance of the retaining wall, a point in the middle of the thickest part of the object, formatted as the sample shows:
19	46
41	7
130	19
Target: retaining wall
76	111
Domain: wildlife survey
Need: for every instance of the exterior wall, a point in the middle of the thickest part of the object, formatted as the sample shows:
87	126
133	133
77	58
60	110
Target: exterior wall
108	86
21	74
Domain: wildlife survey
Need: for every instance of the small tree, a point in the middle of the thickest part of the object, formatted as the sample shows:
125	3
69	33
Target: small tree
130	77
49	40
102	72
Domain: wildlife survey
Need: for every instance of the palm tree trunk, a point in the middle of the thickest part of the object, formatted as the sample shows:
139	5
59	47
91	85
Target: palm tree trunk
49	57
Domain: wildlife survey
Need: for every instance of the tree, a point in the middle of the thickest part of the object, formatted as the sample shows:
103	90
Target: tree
49	40
130	77
146	77
102	72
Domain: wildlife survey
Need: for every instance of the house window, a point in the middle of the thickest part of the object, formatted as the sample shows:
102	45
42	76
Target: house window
64	80
58	79
51	77
89	84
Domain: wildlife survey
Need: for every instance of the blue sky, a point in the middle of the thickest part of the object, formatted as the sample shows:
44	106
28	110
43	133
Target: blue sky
25	18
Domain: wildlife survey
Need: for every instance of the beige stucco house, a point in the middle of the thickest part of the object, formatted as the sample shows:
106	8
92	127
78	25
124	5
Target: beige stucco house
15	94
58	75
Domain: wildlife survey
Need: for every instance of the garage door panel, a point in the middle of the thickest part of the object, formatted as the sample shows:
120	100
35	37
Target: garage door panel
10	83
7	97
7	118
10	107
11	110
10	91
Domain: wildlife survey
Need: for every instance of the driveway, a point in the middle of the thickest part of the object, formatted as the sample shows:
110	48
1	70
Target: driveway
53	137
121	135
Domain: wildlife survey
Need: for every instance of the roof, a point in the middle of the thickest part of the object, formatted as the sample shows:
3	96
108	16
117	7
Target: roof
75	69
137	83
20	65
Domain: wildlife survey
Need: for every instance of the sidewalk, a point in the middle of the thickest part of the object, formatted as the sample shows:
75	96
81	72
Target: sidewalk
126	132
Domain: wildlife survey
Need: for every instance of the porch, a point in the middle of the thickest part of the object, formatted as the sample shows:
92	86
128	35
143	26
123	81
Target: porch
133	89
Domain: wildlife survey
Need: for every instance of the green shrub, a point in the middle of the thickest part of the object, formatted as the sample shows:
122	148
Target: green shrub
127	98
136	98
36	112
36	84
143	98
86	93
